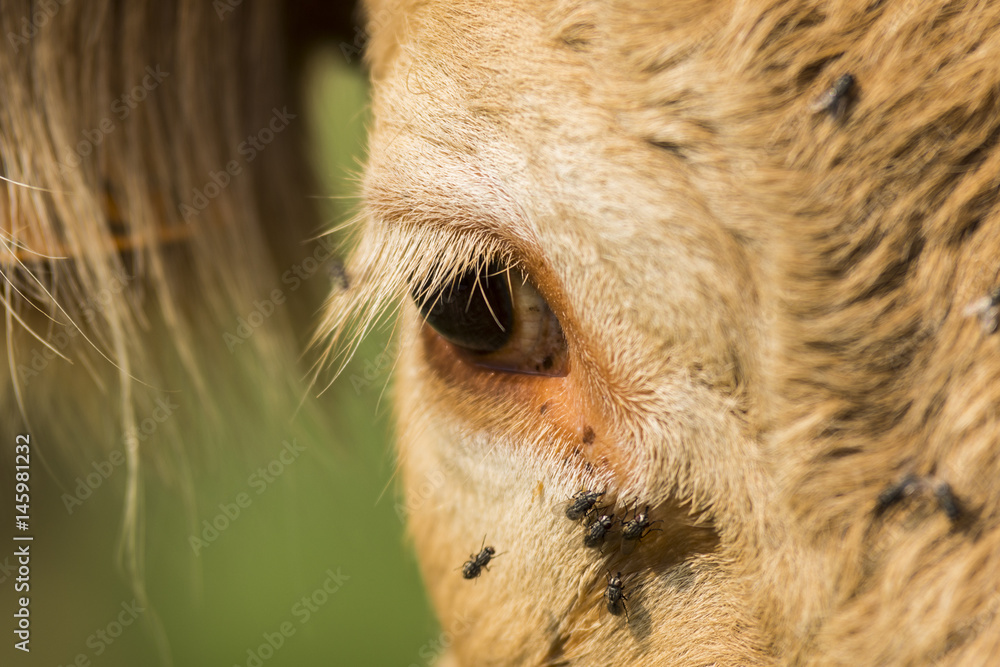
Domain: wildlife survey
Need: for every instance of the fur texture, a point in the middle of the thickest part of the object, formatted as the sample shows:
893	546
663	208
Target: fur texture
127	248
764	308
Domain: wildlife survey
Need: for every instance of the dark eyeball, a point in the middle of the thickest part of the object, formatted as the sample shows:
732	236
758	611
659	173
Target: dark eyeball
473	312
497	318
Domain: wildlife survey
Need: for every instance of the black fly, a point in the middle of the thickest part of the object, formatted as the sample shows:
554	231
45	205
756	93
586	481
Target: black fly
477	563
338	276
614	596
987	311
947	501
636	529
581	504
910	484
598	530
835	99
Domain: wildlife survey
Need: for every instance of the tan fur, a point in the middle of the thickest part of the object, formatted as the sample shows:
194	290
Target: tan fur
764	310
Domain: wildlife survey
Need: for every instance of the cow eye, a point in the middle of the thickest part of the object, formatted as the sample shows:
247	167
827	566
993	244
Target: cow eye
496	319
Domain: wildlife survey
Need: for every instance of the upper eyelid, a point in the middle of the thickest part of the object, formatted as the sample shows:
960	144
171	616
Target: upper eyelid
462	196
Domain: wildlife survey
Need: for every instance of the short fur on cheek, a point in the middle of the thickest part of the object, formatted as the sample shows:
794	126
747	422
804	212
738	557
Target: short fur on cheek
460	479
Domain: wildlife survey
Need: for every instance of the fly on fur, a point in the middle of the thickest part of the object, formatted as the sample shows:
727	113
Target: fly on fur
835	99
479	562
635	529
987	311
614	596
582	504
597	531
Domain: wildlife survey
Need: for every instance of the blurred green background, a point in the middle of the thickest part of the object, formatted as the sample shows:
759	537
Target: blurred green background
324	512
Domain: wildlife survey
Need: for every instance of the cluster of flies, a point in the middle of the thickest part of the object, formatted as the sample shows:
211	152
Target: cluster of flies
599	525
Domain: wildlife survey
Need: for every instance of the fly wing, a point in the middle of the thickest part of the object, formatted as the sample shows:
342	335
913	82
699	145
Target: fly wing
560	508
628	546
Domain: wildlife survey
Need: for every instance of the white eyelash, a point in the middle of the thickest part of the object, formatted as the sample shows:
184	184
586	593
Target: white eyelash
389	261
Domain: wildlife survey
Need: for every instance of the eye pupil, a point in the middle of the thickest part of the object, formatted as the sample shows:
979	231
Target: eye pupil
474	311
